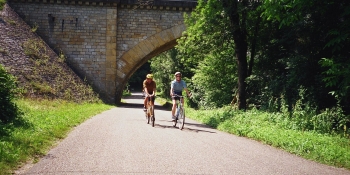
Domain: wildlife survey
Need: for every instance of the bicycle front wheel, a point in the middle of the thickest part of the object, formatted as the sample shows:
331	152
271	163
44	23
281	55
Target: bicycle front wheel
147	116
152	116
181	119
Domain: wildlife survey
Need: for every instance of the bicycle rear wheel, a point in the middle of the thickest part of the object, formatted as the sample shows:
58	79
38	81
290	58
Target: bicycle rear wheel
181	118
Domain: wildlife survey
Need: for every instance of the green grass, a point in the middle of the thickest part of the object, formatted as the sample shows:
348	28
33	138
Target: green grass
272	129
2	3
44	123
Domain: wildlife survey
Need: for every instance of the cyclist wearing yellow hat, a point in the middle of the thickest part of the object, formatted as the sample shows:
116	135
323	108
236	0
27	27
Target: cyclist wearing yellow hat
149	89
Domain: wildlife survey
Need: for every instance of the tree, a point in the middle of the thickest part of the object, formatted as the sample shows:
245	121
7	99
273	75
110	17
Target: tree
215	25
214	80
316	53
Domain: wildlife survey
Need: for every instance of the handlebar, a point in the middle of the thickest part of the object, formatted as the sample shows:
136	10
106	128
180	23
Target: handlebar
178	96
175	95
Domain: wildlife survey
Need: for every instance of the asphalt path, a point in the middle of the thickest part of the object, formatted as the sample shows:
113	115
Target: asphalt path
119	141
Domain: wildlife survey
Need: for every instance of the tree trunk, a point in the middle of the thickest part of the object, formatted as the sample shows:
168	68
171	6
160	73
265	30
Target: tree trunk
241	47
241	54
253	52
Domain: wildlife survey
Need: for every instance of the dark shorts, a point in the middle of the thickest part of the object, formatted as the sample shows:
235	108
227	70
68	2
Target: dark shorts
177	93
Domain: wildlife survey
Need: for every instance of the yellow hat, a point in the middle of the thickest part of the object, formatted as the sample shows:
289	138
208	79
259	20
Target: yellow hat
149	76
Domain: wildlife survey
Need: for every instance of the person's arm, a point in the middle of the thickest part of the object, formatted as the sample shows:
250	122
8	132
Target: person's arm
187	92
154	89
145	88
171	89
185	88
146	91
171	92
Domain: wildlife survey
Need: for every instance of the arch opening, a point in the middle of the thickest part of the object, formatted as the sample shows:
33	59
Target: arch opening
145	50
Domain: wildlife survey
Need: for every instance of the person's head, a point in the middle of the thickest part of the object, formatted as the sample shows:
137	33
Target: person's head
149	77
178	76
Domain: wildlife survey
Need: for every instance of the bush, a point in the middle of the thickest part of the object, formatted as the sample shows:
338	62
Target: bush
2	3
8	109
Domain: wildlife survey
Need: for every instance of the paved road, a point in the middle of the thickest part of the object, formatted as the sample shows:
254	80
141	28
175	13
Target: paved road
119	141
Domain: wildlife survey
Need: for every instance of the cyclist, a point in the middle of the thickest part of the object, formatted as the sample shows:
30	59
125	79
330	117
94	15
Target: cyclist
149	89
177	86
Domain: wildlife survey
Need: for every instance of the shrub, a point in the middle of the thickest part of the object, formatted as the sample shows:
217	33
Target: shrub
8	109
2	3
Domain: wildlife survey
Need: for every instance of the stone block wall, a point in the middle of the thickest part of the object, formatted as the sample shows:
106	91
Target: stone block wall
95	35
136	25
84	34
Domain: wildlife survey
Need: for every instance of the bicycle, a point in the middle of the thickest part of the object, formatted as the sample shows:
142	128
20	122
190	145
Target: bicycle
179	113
149	111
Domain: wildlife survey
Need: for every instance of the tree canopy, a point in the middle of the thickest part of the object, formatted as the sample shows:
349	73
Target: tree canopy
271	55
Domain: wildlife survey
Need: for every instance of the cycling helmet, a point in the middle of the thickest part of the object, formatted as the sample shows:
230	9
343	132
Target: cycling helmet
177	73
149	76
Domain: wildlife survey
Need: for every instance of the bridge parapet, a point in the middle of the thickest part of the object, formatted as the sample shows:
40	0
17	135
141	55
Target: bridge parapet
154	4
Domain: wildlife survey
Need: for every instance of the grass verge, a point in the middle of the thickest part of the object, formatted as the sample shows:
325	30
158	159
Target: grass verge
44	123
270	128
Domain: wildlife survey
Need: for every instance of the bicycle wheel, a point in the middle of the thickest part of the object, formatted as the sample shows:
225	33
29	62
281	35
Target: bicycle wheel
176	115
174	122
181	118
152	116
147	115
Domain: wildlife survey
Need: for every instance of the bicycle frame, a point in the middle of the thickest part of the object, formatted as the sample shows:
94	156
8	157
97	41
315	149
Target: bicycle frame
150	111
180	112
179	105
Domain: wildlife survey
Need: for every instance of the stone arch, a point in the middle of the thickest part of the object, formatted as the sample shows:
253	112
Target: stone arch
146	49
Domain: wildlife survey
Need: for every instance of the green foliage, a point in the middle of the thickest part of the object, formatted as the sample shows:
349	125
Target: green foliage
207	50
163	67
215	80
336	76
278	130
2	3
291	58
126	93
286	12
331	120
8	89
207	30
36	49
34	28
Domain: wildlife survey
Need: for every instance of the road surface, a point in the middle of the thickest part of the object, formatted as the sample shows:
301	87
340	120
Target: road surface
119	141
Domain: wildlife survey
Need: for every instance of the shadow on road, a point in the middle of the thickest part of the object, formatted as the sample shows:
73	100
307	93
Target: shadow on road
136	101
138	105
134	96
184	129
170	126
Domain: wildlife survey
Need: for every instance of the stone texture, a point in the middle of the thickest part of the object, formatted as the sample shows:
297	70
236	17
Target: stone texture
103	42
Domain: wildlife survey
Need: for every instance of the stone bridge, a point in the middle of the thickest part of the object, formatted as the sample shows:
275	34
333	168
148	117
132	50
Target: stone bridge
106	41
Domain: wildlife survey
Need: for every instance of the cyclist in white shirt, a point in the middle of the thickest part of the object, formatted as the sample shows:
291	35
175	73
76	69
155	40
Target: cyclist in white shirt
177	86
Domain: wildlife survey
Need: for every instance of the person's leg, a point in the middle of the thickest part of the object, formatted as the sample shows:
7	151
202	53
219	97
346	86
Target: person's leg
145	104
173	108
152	100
